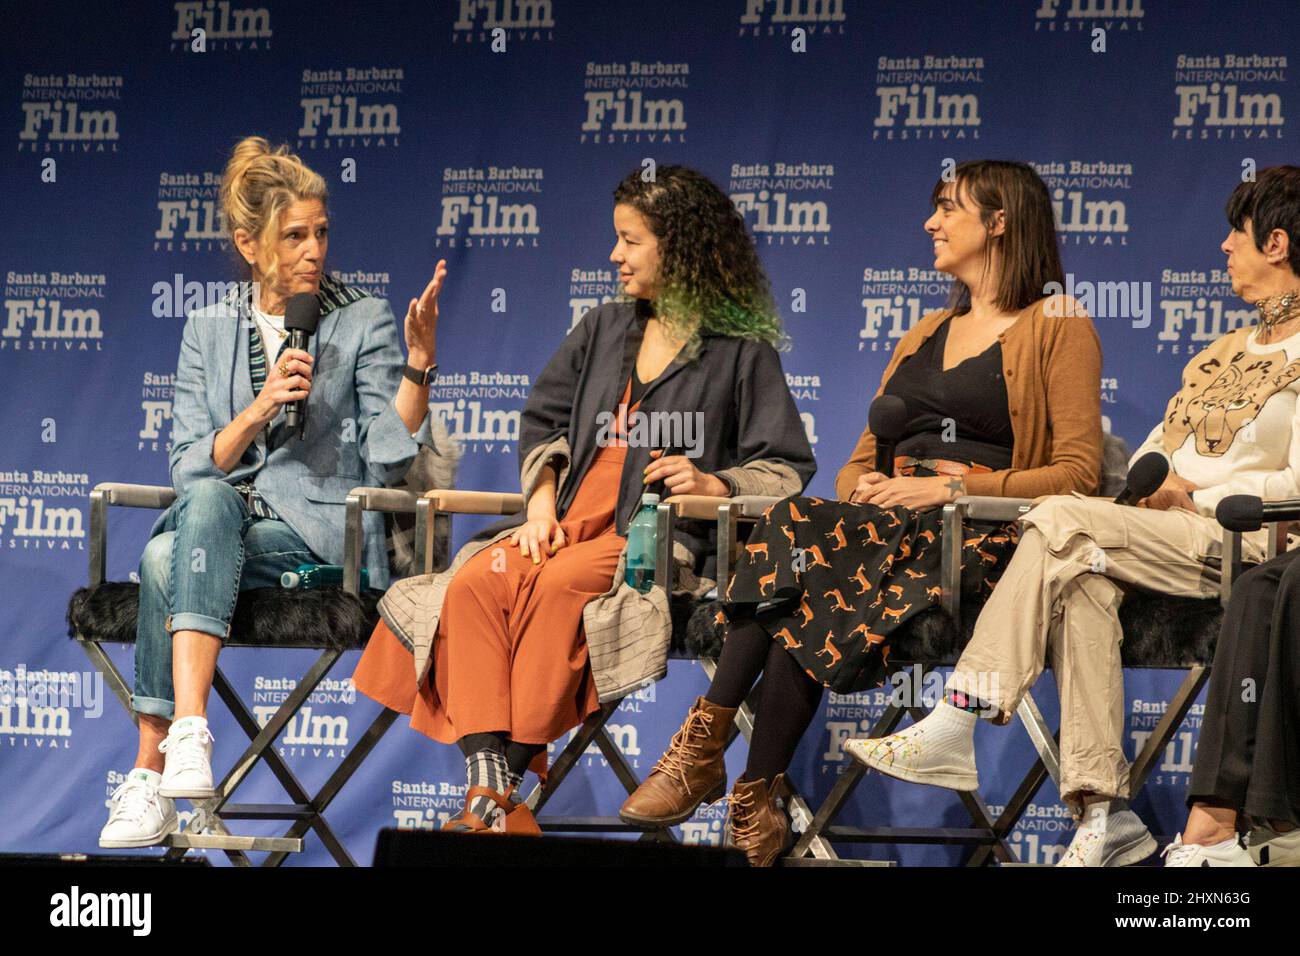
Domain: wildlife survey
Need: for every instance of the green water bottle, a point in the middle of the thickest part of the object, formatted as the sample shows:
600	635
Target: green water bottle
642	545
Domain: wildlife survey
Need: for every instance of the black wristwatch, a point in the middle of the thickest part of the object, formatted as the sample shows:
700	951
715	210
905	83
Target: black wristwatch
420	376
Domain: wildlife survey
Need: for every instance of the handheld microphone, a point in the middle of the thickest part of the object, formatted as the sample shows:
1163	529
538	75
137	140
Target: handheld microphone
301	316
1248	513
1144	478
887	418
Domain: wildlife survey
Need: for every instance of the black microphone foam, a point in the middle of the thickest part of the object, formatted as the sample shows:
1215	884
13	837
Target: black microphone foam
1240	513
301	316
1144	478
302	313
887	418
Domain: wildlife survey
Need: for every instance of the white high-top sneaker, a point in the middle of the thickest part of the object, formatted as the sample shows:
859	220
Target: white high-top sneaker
139	816
188	770
939	750
1228	853
1125	841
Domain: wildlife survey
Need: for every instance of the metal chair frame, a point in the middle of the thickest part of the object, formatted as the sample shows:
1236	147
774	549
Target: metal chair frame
208	829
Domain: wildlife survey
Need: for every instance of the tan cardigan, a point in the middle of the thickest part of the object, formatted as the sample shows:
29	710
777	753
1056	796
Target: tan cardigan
1052	367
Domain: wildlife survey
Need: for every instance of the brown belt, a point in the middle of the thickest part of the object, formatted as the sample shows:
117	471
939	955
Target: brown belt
906	465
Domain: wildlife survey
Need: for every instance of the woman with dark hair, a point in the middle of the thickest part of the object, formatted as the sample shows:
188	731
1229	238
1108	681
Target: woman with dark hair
529	631
1248	754
1231	428
1002	390
254	498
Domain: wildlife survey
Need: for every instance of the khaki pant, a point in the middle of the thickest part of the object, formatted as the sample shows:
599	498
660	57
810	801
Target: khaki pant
1060	595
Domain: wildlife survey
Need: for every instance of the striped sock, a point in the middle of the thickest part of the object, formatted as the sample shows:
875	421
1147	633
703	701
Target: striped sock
487	768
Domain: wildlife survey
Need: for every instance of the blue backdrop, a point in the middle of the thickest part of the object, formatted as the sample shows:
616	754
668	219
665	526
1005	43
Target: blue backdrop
491	132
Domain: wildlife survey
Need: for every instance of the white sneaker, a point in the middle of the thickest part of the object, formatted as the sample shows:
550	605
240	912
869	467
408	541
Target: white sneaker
1125	841
1267	847
188	770
1227	853
139	815
939	750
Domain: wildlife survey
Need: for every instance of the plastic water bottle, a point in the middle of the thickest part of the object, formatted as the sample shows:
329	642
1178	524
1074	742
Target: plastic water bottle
319	576
642	545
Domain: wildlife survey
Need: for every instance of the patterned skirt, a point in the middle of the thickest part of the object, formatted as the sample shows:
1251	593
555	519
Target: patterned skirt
839	578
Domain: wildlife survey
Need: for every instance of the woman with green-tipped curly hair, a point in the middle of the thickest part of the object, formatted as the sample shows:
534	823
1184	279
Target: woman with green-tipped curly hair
676	388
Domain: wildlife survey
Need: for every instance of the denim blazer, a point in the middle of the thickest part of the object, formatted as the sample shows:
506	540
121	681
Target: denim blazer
353	434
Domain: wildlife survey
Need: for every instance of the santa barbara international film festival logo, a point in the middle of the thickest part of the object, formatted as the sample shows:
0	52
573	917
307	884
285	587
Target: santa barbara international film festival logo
927	98
317	729
1062	16
481	408
1087	200
189	213
425	804
503	21
69	113
589	288
1228	97
765	18
42	510
36	705
621	103
803	389
212	26
784	203
1175	767
156	394
622	730
1196	307
893	300
351	108
474	210
52	312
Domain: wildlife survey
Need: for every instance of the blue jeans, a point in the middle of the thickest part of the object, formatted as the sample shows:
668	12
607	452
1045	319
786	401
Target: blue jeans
191	576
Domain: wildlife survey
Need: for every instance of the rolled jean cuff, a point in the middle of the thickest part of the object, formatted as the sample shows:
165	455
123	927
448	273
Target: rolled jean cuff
153	706
198	622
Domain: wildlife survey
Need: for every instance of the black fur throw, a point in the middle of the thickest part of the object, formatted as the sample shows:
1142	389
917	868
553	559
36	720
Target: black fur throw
1159	631
265	617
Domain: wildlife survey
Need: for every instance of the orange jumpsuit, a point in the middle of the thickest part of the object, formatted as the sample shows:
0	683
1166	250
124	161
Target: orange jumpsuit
510	653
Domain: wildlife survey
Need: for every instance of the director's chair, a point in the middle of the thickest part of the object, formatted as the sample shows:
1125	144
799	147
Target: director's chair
329	620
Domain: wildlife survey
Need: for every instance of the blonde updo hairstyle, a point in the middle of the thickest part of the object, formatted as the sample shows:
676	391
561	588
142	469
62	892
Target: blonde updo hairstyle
259	184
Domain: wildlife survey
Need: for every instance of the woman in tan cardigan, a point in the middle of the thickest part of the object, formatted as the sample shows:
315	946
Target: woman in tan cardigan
1002	391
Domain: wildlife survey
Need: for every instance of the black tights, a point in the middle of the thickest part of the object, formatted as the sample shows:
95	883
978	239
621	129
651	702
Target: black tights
518	756
787	699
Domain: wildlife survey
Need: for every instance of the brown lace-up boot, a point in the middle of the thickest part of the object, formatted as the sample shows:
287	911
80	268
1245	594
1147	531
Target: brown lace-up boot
691	771
756	824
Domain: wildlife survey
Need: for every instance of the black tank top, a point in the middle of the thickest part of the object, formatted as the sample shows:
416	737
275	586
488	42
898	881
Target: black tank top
973	394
